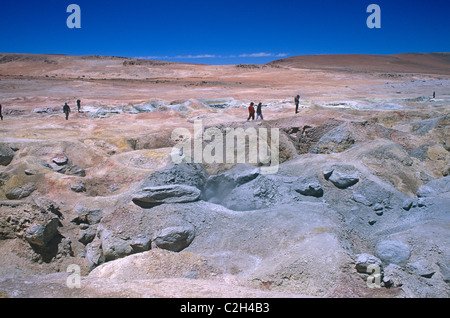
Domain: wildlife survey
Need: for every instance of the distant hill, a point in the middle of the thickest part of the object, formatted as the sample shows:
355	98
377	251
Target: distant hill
432	63
112	67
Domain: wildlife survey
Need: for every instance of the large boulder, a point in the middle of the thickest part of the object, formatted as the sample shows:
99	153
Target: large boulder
187	174
435	187
175	238
175	193
392	252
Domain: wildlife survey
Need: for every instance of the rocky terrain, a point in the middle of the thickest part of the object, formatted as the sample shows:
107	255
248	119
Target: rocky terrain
358	206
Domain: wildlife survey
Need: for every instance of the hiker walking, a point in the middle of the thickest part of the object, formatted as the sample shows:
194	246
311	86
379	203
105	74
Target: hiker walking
1	116
66	110
251	112
78	105
297	101
259	111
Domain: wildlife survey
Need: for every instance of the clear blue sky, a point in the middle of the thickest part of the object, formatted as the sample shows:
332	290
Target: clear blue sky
224	32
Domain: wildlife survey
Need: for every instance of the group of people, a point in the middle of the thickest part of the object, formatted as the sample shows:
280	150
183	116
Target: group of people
66	108
251	109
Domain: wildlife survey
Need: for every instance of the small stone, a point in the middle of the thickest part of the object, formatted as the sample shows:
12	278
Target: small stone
20	192
29	172
407	204
60	159
364	260
378	207
80	187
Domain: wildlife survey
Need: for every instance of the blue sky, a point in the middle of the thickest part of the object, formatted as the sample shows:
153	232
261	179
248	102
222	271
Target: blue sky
224	32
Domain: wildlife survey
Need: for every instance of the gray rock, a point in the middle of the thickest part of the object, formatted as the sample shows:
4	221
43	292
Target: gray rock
176	193
88	216
392	276
94	254
309	187
260	193
47	110
6	155
60	159
218	187
29	172
41	234
373	194
392	252
421	269
20	192
422	127
184	173
79	187
420	152
435	187
75	170
336	140
116	245
444	266
378	207
343	176
175	238
87	235
364	260
407	204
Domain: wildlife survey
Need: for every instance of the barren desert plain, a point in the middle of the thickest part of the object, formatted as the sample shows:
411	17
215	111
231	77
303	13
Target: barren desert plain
95	206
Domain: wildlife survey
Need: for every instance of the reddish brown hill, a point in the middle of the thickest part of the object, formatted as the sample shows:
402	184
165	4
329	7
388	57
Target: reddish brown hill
432	63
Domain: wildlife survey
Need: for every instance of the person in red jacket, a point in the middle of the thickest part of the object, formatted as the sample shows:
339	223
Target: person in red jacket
251	112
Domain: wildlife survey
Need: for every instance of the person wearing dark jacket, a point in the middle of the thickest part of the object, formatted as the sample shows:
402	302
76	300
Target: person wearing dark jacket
66	110
259	112
297	101
251	112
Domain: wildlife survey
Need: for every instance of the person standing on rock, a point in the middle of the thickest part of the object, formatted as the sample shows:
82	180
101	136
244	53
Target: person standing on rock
259	112
297	101
66	110
251	112
78	105
1	116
